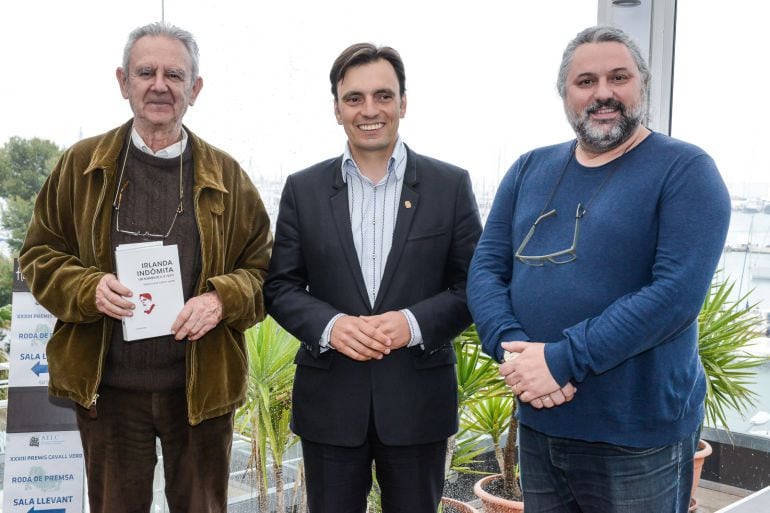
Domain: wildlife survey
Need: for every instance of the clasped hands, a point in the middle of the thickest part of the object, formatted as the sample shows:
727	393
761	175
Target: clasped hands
370	337
199	315
526	373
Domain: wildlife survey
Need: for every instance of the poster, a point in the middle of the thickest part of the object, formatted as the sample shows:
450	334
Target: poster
31	327
43	473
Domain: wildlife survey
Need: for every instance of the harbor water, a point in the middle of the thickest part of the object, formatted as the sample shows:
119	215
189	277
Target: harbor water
746	264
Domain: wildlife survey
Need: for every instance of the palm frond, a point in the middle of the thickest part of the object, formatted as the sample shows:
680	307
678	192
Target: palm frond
491	416
726	327
477	375
266	414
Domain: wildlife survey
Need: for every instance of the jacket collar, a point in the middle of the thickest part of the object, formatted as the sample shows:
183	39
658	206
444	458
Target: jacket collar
410	174
105	154
208	171
341	211
208	168
396	162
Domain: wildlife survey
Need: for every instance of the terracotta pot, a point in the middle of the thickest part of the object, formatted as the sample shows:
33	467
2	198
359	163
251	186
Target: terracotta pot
492	503
455	506
704	449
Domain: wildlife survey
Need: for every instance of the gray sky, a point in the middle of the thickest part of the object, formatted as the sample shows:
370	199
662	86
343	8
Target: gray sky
480	75
721	85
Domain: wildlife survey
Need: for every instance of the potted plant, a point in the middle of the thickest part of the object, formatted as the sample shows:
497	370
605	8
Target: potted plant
495	416
265	416
477	381
725	328
485	408
454	506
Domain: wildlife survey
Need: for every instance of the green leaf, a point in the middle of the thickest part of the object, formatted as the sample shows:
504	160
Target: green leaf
725	327
266	414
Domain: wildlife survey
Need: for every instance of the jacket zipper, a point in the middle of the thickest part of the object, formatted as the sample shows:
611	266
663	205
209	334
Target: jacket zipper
98	207
204	272
92	412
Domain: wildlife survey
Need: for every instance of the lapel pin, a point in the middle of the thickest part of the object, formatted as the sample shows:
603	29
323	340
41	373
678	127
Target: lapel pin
408	204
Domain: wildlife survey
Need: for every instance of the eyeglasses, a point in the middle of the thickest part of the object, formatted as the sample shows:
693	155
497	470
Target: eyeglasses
559	257
124	186
567	255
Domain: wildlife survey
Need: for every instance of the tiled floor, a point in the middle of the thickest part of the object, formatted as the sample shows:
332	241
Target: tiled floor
713	497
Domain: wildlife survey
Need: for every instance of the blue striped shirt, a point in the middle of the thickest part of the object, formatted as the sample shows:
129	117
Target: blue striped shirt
373	212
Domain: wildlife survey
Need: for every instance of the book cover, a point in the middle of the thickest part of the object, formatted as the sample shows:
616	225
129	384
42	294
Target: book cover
151	271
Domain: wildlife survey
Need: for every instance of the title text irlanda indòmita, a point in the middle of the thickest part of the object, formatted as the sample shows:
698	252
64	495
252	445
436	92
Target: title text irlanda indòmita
155	268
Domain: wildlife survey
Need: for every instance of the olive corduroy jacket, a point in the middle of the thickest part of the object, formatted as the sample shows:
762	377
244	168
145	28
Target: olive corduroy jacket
67	251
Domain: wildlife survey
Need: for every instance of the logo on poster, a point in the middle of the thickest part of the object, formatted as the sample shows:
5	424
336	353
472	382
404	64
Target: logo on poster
46	439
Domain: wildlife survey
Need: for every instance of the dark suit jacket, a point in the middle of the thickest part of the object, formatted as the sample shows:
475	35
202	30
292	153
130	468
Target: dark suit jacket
315	274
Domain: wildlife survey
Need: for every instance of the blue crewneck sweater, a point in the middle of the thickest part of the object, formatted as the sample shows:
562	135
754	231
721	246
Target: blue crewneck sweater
620	321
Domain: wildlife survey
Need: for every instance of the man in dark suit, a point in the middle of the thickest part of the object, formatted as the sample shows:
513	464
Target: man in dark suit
368	271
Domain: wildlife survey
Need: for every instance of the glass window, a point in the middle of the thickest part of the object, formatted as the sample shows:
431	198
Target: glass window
720	104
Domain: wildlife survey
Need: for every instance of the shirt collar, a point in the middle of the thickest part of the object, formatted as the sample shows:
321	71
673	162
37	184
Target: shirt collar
396	162
169	152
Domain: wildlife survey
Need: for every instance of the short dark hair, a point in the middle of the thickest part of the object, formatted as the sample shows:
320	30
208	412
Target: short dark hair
365	53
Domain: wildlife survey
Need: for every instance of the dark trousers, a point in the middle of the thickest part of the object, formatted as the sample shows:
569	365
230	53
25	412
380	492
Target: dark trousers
560	475
120	455
411	478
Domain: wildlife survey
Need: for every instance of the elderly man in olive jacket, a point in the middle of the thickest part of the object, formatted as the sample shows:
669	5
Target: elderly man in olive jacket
151	179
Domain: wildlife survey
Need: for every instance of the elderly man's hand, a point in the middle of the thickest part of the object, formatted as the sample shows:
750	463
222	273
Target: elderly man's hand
198	316
111	298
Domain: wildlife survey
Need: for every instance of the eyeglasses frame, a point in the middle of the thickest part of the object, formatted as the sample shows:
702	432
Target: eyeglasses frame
119	197
539	260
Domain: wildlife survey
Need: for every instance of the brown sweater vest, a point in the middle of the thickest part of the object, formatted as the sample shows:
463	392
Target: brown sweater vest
148	205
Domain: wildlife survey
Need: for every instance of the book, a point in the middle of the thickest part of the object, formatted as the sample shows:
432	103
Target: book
152	272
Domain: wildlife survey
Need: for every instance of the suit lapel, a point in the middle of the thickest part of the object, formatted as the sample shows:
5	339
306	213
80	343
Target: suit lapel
341	215
407	209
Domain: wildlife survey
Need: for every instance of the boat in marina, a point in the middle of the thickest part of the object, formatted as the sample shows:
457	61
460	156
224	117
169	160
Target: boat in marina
751	248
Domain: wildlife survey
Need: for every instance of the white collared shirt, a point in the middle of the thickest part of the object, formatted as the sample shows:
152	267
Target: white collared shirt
169	152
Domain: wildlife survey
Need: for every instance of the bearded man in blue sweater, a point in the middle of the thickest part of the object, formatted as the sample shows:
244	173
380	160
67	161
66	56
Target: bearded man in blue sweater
594	263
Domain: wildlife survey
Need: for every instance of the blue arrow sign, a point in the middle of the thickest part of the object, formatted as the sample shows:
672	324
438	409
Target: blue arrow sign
33	510
39	369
